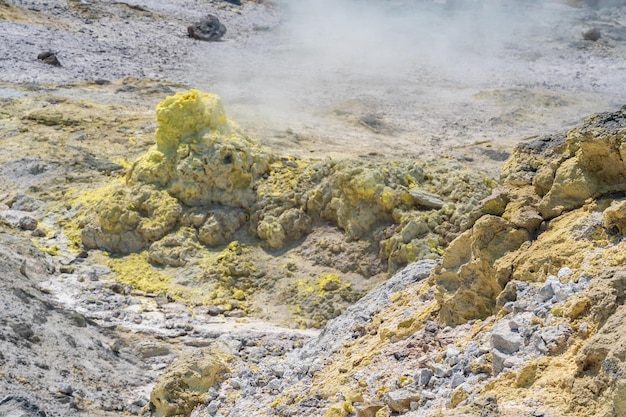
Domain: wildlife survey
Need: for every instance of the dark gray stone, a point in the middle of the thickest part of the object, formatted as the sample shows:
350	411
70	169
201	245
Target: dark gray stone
50	58
208	29
592	35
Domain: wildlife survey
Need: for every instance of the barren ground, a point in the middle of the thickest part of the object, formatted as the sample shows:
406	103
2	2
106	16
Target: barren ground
309	83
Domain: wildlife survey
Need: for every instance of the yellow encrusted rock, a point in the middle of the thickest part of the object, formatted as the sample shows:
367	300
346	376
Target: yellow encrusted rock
184	117
614	218
186	382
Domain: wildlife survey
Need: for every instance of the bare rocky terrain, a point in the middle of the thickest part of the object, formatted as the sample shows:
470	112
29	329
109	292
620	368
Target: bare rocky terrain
370	135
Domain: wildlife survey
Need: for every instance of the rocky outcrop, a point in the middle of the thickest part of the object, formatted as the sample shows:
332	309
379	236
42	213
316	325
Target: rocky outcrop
53	360
561	197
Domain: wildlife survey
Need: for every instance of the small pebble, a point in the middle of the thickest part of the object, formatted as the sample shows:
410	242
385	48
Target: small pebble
65	388
592	35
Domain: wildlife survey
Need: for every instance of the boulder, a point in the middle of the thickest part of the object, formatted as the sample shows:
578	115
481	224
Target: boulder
209	29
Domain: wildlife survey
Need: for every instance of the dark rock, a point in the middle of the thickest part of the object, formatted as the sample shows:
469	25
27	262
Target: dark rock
309	402
27	223
592	35
431	327
120	289
208	29
126	89
495	155
50	58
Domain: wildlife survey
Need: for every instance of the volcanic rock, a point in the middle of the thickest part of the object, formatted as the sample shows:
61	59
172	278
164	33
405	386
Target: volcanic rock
591	35
49	58
208	29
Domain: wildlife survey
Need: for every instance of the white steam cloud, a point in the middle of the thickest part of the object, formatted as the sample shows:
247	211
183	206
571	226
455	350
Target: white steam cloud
405	58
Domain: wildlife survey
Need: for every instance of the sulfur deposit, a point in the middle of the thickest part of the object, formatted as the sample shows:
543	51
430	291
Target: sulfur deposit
205	185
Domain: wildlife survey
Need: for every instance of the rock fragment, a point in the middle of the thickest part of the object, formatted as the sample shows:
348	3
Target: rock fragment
592	35
460	394
400	400
185	384
209	29
423	376
505	339
614	218
425	199
367	410
50	58
65	388
27	223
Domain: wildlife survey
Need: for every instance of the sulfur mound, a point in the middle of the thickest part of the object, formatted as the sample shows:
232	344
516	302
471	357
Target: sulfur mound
205	175
200	157
205	186
200	161
393	204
